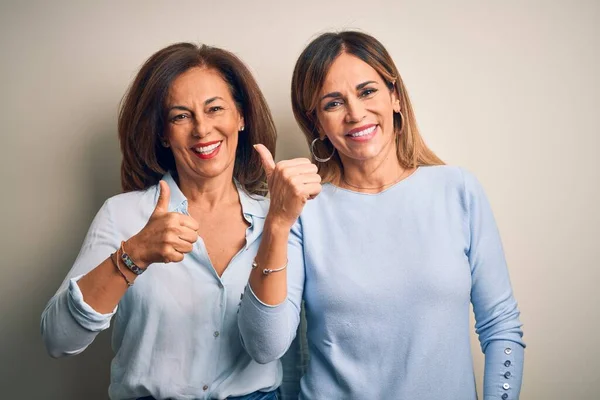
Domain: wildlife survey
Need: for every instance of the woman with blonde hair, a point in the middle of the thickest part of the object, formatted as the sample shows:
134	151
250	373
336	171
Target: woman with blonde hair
389	254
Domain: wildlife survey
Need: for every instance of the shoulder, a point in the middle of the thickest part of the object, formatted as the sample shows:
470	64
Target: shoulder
132	198
449	177
448	174
125	205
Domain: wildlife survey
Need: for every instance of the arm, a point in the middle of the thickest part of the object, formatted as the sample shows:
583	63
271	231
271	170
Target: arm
267	330
88	298
270	310
68	324
496	312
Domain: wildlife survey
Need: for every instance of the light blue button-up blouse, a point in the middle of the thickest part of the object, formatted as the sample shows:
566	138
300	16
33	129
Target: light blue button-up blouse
175	331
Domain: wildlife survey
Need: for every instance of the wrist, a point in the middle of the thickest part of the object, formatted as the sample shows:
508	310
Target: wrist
277	226
135	253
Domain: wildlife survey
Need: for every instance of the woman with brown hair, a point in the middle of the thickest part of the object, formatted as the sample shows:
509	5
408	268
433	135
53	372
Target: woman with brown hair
170	257
390	253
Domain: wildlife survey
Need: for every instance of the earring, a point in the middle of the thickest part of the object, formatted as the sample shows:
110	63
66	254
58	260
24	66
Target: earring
319	159
401	122
242	128
165	144
397	111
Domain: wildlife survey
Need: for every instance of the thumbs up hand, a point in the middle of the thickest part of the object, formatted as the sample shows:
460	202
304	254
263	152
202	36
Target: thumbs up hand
167	236
291	184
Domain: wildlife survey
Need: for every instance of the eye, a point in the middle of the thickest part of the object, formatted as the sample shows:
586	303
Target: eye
367	92
179	118
332	104
215	109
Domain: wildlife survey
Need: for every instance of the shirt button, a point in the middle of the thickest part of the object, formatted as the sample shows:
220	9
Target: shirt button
205	387
216	334
220	285
507	363
504	396
507	374
506	386
507	350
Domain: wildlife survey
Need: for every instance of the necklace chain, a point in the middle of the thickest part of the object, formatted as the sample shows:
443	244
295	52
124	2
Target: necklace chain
378	187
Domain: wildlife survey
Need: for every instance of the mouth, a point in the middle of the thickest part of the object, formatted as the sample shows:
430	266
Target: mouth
362	133
208	150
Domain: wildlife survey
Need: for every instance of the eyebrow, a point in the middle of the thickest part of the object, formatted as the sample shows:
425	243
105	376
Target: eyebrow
338	94
184	108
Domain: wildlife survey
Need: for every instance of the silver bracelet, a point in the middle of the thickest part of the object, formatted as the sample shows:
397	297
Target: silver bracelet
268	271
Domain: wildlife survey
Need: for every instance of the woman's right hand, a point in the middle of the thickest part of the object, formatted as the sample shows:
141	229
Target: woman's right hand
291	184
167	236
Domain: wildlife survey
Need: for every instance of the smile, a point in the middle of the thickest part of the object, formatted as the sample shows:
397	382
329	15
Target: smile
362	133
207	150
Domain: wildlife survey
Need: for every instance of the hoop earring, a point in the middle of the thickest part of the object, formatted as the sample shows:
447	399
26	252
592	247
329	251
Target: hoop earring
319	159
401	121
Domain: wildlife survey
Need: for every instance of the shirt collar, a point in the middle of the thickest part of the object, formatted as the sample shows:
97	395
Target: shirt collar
252	204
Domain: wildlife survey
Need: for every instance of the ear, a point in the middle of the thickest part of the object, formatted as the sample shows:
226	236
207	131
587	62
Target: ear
395	102
320	131
242	124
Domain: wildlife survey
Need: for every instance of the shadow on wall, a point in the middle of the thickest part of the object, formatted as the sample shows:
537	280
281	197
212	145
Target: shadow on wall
85	376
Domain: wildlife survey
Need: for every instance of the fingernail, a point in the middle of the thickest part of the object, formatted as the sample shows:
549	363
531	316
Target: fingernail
254	146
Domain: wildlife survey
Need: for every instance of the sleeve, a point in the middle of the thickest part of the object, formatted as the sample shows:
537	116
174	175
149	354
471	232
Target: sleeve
295	362
268	331
496	312
68	324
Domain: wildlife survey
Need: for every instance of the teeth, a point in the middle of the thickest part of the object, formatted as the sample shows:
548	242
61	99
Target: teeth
365	132
207	149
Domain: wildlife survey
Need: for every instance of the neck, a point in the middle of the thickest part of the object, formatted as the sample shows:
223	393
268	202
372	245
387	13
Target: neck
375	174
209	193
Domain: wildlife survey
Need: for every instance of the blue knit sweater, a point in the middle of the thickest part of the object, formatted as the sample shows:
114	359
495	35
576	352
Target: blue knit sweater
387	280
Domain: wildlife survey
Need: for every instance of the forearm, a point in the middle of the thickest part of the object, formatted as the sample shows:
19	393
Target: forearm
270	309
68	325
271	289
103	287
503	370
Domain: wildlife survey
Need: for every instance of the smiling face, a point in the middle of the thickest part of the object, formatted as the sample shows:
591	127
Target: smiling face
202	126
356	110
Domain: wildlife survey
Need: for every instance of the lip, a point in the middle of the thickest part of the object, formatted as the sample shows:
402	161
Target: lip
362	128
209	155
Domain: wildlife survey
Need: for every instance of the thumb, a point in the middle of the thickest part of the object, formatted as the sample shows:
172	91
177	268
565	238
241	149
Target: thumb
162	206
266	157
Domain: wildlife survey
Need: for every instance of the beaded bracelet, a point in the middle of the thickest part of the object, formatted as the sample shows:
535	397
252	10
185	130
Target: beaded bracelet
115	261
268	271
129	262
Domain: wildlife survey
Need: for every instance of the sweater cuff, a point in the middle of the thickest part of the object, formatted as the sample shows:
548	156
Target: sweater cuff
503	370
83	313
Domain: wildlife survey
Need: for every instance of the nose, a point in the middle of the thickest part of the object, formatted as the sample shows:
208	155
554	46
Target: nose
355	110
202	128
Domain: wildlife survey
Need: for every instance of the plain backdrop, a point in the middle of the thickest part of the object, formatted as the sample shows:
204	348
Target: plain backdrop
508	89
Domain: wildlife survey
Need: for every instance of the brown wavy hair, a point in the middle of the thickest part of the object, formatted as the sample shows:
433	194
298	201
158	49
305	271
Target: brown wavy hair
142	116
309	75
